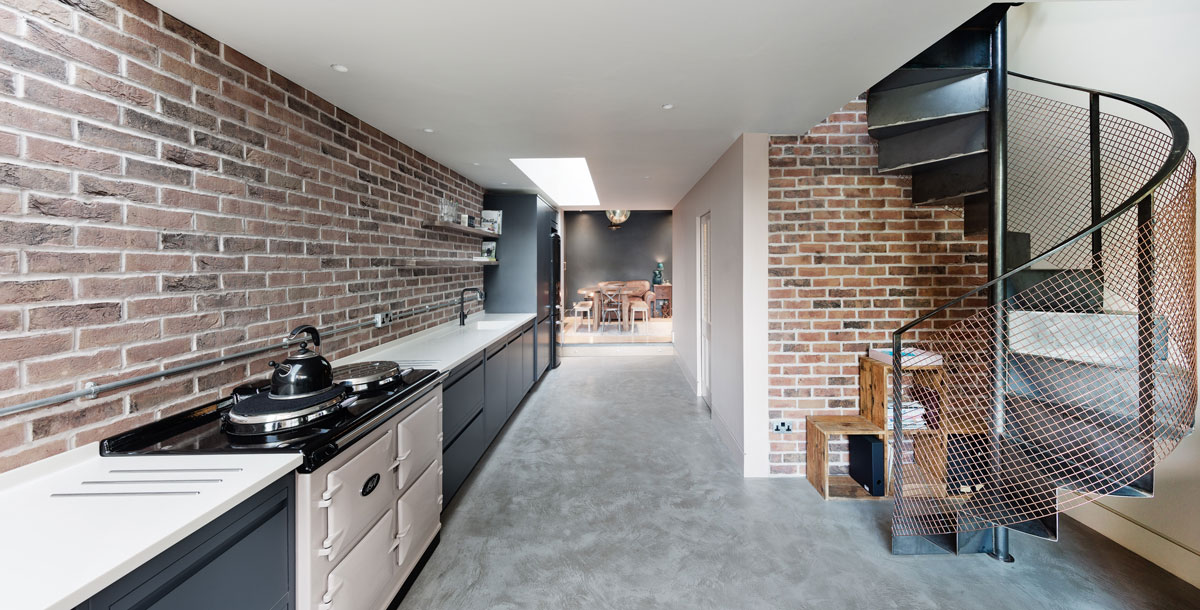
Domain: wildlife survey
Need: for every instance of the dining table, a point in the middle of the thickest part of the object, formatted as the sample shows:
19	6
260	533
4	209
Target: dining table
593	293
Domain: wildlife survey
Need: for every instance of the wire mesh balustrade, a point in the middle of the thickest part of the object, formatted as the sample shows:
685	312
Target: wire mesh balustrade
1084	377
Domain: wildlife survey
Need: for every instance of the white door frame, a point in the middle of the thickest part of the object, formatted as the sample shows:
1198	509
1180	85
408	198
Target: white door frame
704	306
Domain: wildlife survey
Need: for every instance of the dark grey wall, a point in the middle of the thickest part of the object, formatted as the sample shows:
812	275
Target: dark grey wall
594	253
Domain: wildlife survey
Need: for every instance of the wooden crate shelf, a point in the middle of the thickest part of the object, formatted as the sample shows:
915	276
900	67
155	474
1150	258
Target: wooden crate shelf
874	399
818	429
441	225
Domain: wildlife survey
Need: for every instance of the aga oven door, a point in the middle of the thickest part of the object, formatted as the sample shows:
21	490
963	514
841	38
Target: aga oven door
356	494
419	441
419	514
365	577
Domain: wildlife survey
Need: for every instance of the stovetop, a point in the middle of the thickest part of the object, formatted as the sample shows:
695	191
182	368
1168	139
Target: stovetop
198	430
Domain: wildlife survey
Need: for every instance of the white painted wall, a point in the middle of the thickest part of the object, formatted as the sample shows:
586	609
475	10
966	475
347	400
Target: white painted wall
734	190
1146	49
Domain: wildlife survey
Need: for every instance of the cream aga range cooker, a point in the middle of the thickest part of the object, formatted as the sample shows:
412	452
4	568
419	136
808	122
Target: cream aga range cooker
369	492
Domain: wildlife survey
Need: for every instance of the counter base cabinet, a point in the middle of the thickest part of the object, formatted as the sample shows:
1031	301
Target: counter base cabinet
543	337
487	395
241	561
516	379
495	404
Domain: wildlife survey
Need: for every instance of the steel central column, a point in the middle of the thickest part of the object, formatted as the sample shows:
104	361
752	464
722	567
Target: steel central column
998	229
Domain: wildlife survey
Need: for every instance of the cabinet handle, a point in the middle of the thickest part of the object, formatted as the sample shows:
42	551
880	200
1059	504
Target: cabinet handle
440	436
405	456
327	545
328	597
404	533
333	489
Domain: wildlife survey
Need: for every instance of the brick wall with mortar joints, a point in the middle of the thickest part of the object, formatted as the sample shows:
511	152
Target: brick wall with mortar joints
850	261
163	197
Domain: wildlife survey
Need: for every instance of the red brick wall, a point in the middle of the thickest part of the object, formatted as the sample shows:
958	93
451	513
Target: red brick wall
850	261
163	196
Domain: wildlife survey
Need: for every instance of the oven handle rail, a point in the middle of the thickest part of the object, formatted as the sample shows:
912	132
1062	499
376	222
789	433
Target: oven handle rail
92	389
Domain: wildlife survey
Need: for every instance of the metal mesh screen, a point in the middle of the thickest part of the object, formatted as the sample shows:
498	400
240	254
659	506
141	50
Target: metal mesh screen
1091	355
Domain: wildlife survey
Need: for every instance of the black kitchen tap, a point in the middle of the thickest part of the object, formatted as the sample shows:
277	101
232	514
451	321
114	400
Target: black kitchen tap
462	303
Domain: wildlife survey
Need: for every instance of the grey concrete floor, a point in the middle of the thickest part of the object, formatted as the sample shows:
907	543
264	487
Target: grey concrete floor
610	489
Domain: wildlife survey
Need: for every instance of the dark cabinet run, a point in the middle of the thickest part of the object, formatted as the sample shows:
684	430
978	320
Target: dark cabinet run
527	279
243	560
478	399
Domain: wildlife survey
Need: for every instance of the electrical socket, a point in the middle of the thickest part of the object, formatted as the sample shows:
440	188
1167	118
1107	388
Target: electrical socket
383	319
783	426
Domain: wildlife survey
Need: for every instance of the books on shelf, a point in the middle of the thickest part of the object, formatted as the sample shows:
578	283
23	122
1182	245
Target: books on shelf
912	415
909	356
490	220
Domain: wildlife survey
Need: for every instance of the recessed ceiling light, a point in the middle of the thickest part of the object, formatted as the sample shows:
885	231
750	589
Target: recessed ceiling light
503	184
339	68
668	106
565	180
474	164
428	130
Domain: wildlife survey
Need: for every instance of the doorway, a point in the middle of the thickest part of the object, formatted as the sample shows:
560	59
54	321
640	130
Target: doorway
705	316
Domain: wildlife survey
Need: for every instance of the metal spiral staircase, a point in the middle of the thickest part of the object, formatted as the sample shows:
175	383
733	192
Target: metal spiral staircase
1072	372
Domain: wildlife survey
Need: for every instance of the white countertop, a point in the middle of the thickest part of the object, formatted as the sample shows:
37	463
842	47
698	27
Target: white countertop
445	346
60	549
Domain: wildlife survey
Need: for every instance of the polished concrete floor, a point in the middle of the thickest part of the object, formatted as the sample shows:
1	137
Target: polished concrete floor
610	489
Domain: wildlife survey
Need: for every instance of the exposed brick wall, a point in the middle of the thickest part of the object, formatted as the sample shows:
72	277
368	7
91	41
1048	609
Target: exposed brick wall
163	196
850	261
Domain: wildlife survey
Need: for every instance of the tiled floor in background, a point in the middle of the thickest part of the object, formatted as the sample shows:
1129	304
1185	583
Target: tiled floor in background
654	330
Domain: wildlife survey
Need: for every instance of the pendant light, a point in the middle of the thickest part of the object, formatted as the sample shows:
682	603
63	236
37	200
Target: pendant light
616	217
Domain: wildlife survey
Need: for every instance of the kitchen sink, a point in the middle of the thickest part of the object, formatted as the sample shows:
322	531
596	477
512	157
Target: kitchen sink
489	325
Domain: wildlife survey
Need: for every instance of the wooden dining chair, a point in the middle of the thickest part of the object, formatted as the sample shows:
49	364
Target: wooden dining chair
610	303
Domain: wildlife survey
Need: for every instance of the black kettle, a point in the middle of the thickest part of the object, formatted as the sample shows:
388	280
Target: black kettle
304	373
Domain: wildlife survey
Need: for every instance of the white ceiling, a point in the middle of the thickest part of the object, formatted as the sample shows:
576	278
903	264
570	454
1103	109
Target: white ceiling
553	78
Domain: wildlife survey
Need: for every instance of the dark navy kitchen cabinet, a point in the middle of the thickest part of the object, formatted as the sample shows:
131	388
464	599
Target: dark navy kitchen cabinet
462	397
242	560
495	404
479	398
526	280
516	377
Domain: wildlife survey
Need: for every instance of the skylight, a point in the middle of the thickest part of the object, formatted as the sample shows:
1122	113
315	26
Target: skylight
566	180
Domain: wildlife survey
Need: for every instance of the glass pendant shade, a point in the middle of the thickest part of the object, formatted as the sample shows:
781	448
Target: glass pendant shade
616	217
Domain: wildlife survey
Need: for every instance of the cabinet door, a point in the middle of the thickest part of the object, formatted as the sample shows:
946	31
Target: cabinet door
460	457
516	383
241	561
495	404
527	361
543	347
462	400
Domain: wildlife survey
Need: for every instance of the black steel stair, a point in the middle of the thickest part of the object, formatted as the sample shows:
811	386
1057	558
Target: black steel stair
930	118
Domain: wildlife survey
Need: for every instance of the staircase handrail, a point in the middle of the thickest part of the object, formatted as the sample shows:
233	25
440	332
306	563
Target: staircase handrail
1179	148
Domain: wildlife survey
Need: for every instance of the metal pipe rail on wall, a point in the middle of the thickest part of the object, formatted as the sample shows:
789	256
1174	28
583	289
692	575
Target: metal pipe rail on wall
92	390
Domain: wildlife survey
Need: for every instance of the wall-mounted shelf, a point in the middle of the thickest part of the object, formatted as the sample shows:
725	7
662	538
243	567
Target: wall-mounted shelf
441	225
443	262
